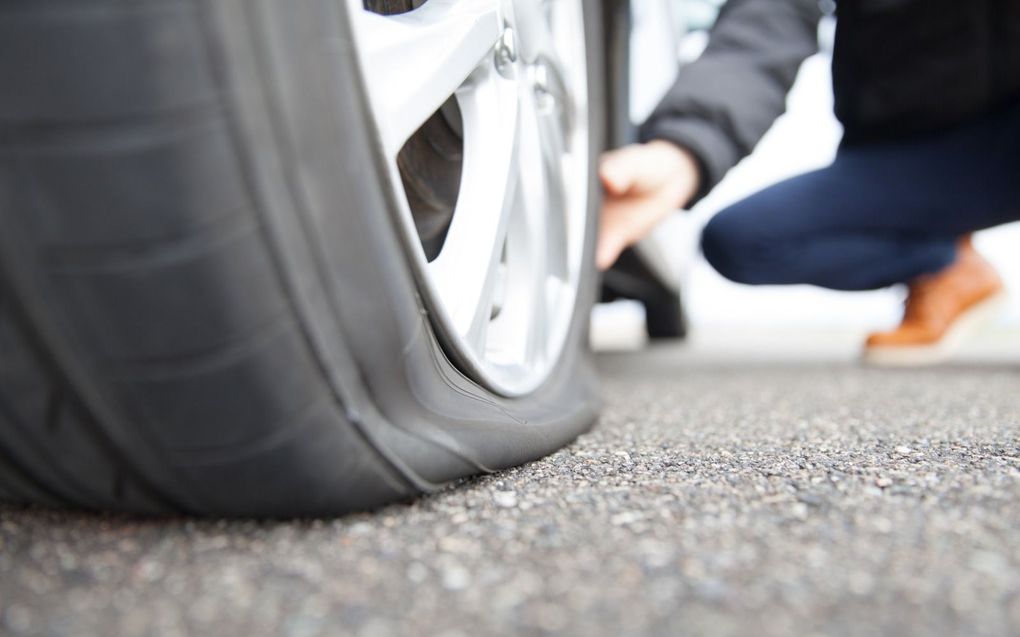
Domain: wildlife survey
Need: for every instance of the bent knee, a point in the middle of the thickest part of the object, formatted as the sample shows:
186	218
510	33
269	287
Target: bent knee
734	247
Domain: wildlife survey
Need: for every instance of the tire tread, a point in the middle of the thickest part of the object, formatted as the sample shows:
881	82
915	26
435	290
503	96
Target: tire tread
134	232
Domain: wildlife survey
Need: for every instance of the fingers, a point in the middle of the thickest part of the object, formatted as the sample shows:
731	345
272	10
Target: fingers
613	234
645	167
609	246
628	219
644	183
617	171
607	254
624	222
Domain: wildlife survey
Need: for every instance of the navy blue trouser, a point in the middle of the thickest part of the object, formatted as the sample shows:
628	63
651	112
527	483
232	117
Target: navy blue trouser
881	213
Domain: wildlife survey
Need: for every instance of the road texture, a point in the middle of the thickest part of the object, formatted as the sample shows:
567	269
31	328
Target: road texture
771	498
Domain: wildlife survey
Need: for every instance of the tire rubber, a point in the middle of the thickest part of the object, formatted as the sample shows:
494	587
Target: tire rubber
204	304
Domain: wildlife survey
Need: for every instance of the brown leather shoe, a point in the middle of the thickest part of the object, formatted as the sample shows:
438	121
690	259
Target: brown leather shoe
941	310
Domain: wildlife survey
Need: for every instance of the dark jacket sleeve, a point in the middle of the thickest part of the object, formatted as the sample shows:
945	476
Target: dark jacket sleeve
724	102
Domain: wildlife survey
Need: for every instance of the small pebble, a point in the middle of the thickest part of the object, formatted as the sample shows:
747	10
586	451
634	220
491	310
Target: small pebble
505	499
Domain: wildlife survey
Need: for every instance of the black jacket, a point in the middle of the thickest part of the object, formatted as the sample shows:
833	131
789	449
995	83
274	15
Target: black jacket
900	67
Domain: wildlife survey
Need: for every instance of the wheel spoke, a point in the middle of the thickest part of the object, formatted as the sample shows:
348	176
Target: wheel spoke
552	140
413	62
465	271
502	288
544	205
531	18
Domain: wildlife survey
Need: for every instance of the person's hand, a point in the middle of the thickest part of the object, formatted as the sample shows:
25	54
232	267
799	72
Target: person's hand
643	184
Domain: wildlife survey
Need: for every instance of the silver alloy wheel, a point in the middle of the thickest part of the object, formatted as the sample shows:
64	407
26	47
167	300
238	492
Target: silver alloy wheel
502	289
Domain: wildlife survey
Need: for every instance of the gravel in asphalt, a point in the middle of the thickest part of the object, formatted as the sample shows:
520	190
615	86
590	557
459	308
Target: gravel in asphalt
814	499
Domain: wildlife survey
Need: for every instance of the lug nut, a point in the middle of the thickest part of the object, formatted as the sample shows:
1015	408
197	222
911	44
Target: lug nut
506	53
541	78
543	94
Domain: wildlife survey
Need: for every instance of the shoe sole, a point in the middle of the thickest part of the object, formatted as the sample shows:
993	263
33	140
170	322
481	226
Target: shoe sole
932	354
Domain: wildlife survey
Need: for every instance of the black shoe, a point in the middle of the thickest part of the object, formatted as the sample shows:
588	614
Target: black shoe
632	278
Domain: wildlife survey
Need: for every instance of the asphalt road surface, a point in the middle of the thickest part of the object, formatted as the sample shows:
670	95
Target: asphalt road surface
771	498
